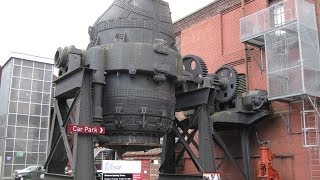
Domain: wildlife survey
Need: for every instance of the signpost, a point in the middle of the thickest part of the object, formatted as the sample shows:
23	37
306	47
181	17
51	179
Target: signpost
94	130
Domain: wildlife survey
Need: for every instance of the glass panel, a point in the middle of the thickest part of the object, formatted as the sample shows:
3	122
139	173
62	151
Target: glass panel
46	98
24	96
42	158
34	121
12	119
23	108
38	65
37	86
49	66
8	157
45	110
43	146
17	61
38	74
33	133
22	120
43	134
14	95
47	75
9	144
27	63
32	158
47	87
32	146
10	132
13	107
36	97
16	71
26	72
35	109
25	84
15	82
44	122
20	157
20	145
21	133
7	170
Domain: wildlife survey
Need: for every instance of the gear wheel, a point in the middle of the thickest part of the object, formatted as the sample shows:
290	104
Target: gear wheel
194	66
229	83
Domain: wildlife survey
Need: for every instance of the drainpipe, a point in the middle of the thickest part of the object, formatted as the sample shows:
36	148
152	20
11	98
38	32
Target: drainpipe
245	50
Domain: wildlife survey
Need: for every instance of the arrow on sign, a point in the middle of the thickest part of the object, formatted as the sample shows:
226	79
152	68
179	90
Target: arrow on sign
101	130
95	130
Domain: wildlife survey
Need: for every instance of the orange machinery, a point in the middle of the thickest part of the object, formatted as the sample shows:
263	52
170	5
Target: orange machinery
266	171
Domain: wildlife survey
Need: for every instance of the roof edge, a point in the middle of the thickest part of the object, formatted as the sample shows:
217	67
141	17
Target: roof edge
29	57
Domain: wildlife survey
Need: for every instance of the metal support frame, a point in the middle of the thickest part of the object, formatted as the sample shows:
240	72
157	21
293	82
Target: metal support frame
61	147
218	140
199	121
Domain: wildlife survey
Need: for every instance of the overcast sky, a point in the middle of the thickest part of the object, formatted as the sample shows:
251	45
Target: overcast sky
39	27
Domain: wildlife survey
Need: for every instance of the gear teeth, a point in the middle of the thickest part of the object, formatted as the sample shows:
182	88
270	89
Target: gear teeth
203	67
200	64
229	93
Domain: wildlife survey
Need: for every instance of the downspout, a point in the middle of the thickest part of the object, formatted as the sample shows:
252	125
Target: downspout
245	50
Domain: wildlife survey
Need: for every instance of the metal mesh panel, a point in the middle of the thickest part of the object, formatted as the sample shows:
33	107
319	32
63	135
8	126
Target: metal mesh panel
267	19
309	47
292	50
285	83
282	49
306	13
312	82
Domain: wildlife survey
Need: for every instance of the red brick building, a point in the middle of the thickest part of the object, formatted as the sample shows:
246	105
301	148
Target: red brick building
213	33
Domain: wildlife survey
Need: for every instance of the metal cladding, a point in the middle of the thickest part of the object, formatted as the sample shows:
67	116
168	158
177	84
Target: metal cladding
141	65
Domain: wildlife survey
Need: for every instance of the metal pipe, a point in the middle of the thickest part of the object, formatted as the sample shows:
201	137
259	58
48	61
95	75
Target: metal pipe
245	50
95	56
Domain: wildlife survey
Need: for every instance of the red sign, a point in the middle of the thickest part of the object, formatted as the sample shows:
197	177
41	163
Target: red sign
86	129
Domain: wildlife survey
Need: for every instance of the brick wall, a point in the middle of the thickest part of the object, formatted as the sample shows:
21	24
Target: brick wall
213	33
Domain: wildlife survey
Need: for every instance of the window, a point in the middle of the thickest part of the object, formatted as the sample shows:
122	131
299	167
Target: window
279	18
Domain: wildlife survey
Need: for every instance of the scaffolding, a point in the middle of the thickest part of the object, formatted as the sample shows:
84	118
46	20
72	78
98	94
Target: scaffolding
288	31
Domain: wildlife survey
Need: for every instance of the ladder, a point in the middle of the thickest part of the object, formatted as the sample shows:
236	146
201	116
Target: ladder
310	133
314	159
310	122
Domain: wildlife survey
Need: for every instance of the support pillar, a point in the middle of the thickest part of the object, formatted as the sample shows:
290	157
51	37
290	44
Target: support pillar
206	146
83	144
245	145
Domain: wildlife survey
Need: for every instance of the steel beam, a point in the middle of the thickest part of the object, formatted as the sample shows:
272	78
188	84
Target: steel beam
192	99
193	157
168	154
206	146
245	145
83	144
225	149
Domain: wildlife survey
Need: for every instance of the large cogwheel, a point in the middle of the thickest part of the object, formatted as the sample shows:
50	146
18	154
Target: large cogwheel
229	83
195	66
